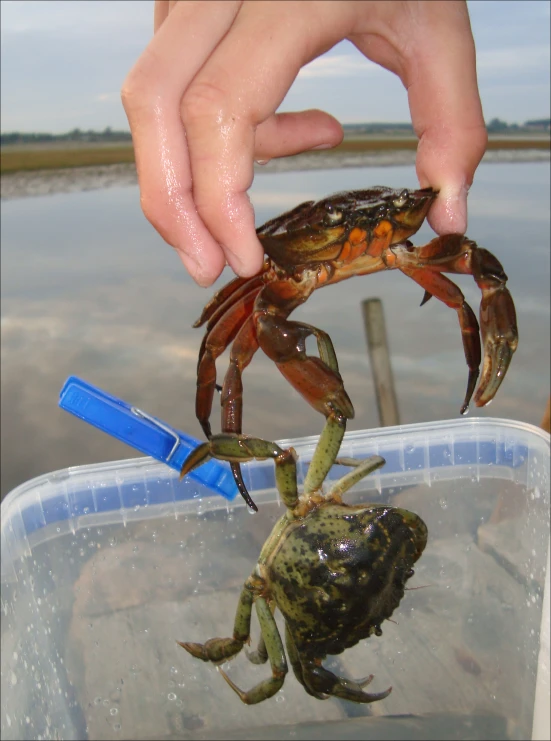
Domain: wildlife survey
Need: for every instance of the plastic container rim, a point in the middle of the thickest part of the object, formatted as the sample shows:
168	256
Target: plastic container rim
377	432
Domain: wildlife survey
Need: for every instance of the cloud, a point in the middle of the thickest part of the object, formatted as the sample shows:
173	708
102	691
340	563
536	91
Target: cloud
109	97
63	64
518	59
86	16
338	65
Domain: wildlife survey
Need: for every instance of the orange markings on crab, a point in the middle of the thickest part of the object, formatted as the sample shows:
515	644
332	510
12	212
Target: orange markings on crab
355	245
322	243
383	230
345	252
357	236
358	251
390	259
323	274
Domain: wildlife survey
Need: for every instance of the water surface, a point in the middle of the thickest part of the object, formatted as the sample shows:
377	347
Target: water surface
89	288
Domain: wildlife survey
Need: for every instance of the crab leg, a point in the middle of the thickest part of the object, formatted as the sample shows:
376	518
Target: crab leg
226	293
325	453
361	469
454	253
436	284
242	352
316	379
320	681
218	650
241	448
498	322
214	343
296	664
278	663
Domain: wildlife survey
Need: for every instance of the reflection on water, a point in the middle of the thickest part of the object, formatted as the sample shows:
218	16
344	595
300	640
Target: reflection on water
88	288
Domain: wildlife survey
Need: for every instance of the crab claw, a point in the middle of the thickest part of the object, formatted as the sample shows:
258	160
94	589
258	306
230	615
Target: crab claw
225	447
455	253
237	448
498	323
196	458
230	447
499	333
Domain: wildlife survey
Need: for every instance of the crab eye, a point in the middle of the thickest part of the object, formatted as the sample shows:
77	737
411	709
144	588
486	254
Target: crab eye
402	199
332	215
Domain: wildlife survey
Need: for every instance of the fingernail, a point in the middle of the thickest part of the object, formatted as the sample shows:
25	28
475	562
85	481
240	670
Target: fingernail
323	146
454	203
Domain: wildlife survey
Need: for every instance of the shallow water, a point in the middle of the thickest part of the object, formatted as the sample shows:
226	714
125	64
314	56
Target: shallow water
89	288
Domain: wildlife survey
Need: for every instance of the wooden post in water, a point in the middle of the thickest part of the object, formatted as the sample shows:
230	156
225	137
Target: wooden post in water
545	423
379	357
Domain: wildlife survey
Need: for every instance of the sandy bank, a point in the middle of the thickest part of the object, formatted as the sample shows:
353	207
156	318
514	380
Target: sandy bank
78	179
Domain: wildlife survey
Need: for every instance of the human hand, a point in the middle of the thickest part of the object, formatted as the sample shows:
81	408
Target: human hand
202	99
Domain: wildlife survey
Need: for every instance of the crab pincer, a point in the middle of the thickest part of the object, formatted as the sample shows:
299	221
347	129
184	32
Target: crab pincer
320	243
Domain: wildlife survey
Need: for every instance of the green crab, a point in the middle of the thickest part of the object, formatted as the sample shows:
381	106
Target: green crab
334	571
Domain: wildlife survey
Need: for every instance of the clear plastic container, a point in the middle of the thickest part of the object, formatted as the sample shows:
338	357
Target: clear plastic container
105	567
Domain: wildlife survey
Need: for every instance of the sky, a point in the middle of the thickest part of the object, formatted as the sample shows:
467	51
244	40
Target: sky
63	64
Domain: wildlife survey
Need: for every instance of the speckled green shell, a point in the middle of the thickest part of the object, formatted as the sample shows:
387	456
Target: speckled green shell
340	572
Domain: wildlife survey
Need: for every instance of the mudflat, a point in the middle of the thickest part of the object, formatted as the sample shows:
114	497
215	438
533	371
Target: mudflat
62	155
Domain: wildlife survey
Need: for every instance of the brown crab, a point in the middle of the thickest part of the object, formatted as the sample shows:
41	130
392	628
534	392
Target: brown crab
320	243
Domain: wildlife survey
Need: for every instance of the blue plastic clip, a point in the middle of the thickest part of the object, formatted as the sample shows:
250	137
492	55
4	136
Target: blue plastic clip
147	434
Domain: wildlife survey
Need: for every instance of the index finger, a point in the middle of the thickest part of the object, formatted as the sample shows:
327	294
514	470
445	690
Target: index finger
240	87
151	96
447	115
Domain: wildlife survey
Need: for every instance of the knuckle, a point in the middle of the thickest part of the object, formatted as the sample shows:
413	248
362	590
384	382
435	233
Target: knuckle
140	87
131	95
127	95
130	87
203	100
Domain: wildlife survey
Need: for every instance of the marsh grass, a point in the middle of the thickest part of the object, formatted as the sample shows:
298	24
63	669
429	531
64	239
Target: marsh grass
17	159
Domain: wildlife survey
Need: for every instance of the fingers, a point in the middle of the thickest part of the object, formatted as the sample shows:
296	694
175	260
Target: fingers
160	12
284	134
430	46
447	115
151	96
201	103
233	94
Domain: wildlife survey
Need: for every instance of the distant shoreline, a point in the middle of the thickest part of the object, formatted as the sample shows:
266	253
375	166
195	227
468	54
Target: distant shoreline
63	155
106	170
